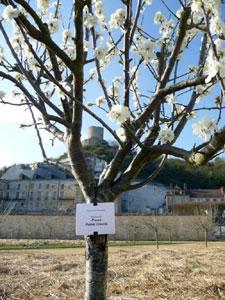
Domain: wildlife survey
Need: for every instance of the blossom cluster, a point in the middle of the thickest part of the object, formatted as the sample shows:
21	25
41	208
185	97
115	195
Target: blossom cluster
143	45
166	26
166	135
145	48
215	63
119	113
10	13
118	18
204	128
43	4
202	8
92	19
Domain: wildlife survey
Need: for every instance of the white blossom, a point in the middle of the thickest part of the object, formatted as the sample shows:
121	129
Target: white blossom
92	72
202	90
18	76
191	115
166	135
159	18
117	19
215	65
43	4
121	134
90	21
145	48
204	128
60	92
148	2
179	108
171	99
66	35
166	29
119	113
10	12
217	26
117	80
100	53
16	94
100	101
99	11
32	63
86	45
211	8
53	25
70	49
196	6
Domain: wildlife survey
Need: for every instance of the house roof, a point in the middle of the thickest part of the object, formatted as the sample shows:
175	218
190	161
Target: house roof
35	172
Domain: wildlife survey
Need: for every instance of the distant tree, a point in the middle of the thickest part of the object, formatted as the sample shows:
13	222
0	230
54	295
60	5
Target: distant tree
153	223
2	171
205	221
178	172
104	152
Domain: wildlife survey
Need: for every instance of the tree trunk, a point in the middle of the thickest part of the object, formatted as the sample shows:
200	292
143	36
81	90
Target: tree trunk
96	267
157	238
206	238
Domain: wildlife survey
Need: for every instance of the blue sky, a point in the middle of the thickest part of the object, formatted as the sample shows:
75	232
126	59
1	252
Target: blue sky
21	145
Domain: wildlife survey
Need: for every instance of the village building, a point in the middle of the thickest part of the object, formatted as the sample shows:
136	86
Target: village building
150	199
194	201
42	188
3	192
48	189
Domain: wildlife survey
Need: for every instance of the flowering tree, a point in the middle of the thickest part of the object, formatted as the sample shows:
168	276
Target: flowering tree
53	58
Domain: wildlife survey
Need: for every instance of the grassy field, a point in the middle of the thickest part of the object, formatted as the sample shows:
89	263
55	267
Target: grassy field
55	244
177	271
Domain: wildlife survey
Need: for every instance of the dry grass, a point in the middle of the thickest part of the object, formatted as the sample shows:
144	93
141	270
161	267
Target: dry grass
187	271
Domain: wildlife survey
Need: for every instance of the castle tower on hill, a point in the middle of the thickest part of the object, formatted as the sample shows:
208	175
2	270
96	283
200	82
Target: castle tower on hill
94	136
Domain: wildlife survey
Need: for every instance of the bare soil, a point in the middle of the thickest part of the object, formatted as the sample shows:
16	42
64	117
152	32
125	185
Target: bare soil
183	271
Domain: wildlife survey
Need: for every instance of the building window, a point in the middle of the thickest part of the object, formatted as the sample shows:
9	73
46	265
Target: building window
39	186
31	186
62	186
46	196
38	195
54	196
47	186
31	195
17	195
18	186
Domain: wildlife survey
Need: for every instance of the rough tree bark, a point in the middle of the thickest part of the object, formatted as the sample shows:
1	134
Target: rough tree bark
96	267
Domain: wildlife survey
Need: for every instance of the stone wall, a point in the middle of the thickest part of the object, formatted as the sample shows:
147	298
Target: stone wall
127	227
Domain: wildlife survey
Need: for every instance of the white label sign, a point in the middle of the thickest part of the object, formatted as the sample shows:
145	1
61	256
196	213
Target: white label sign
98	218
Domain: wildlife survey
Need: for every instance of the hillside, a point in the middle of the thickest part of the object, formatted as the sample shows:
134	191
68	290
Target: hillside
175	171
